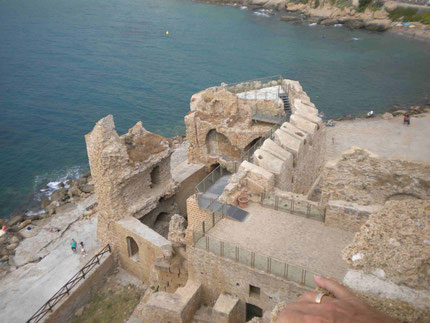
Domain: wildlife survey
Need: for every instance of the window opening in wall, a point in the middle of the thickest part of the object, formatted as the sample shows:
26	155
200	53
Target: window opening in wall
155	176
254	291
253	311
133	249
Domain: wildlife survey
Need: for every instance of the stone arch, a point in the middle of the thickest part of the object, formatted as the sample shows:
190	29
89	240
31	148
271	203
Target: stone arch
218	144
133	249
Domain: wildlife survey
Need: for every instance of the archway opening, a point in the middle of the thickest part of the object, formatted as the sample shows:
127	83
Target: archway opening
218	144
253	311
133	249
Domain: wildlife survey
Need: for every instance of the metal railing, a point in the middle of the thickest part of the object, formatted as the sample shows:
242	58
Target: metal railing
255	84
65	290
211	178
250	258
298	207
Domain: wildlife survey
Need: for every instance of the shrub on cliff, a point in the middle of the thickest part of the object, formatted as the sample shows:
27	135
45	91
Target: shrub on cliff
362	4
316	3
410	15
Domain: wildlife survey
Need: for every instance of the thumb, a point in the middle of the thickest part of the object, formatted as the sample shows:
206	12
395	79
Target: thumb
333	287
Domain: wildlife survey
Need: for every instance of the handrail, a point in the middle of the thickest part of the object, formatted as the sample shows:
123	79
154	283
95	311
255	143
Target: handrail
271	78
65	290
285	270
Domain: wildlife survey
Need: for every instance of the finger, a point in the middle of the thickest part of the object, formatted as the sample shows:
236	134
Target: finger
333	287
311	296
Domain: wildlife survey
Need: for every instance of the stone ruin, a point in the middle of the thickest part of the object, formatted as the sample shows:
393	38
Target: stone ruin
135	190
388	259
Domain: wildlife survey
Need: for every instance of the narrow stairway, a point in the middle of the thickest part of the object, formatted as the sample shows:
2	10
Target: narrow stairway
287	107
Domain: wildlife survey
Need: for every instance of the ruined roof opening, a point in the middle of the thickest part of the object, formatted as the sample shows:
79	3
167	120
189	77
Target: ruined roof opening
252	143
155	176
218	144
133	249
141	148
161	224
253	311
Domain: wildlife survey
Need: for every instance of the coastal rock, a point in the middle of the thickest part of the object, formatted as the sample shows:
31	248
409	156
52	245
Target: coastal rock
399	112
51	209
329	22
380	14
59	195
81	181
24	224
354	23
12	246
2	222
45	203
387	116
295	6
14	239
258	3
390	6
15	220
377	25
87	188
74	191
291	18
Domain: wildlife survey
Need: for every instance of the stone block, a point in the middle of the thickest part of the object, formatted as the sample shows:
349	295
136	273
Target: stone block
304	124
276	166
226	309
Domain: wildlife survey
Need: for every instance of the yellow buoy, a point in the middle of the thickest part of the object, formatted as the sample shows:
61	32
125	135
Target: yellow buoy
167	33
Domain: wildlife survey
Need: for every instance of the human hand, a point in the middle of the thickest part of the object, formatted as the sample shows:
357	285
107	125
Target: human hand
344	307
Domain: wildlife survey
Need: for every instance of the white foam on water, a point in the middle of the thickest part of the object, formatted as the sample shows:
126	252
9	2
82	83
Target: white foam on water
243	8
337	25
31	213
263	12
313	24
355	38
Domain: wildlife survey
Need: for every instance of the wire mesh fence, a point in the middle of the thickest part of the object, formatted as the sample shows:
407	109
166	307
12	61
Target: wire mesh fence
293	206
254	259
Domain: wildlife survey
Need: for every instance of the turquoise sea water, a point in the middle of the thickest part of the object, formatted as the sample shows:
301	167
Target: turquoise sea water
66	64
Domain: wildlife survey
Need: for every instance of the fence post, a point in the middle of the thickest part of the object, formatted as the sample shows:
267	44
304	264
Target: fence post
303	276
203	227
213	219
285	270
207	243
221	246
252	259
276	202
236	253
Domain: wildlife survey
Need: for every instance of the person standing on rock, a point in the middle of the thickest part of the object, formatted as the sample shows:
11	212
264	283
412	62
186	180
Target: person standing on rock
74	243
83	252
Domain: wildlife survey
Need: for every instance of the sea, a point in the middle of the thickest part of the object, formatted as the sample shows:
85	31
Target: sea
64	64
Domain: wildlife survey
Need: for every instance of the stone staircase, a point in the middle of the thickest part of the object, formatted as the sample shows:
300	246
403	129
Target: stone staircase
287	107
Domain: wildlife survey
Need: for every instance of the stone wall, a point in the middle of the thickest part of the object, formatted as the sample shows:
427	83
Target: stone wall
174	308
83	292
220	275
389	257
131	173
220	127
361	182
347	215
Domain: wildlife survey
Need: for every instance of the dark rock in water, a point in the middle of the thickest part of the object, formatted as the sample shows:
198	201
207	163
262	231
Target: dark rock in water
329	22
347	117
376	25
291	18
354	23
81	181
60	195
45	203
87	188
15	220
74	191
399	112
86	175
2	222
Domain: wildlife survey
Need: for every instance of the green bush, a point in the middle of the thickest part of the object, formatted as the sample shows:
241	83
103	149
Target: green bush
410	15
362	4
316	3
407	14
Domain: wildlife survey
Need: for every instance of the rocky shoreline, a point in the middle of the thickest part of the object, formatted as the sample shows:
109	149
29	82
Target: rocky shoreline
372	18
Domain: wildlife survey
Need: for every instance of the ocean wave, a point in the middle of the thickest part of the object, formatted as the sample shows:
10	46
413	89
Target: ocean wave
32	213
46	184
263	12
